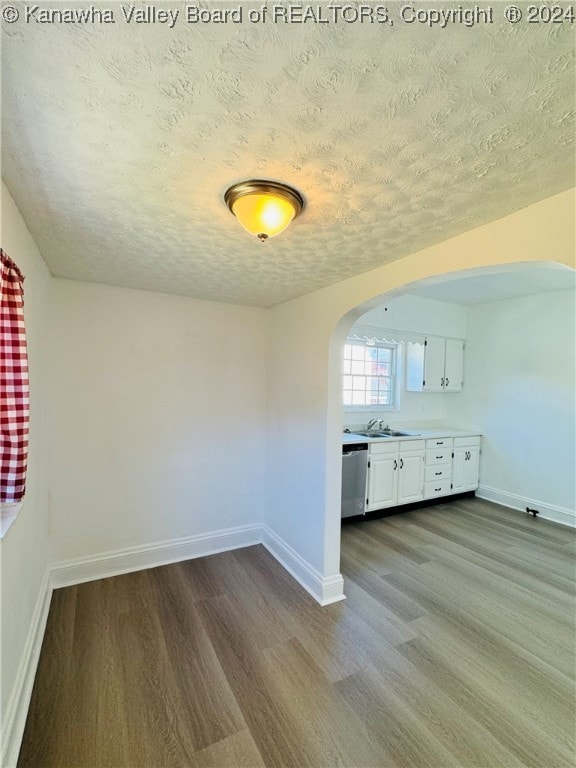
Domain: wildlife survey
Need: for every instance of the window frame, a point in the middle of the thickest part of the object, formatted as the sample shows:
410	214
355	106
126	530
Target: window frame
395	366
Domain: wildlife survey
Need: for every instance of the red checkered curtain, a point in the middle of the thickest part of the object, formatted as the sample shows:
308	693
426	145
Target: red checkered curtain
14	398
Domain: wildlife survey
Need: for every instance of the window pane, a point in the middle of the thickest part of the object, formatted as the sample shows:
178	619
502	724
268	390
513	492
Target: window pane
371	367
368	374
384	355
386	389
357	352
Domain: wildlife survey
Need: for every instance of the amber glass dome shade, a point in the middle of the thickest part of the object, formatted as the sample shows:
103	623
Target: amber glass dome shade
264	208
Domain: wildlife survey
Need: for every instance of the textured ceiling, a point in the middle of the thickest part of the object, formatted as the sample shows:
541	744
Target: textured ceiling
119	141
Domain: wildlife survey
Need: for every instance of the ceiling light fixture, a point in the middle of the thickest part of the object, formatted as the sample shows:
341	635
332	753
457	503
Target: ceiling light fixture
264	208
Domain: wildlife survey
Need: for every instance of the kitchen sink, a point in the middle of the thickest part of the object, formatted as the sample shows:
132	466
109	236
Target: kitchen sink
383	433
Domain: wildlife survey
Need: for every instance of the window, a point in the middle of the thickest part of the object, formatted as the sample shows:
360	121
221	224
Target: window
369	374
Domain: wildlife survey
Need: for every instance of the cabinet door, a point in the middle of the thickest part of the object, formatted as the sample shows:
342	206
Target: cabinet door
472	469
410	477
415	366
453	365
382	481
459	469
465	469
434	364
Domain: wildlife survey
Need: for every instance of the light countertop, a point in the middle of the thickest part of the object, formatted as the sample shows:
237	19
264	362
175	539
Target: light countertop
412	434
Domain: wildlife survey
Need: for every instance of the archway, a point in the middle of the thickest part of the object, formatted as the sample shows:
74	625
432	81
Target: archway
471	287
302	520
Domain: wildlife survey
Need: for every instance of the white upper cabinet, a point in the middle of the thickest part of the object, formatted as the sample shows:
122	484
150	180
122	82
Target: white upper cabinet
453	365
433	378
435	366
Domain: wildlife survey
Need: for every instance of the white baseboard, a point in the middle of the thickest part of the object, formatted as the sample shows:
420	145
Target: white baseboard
17	708
325	590
151	555
547	511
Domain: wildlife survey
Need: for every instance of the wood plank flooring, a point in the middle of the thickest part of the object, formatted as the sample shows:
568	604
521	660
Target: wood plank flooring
455	647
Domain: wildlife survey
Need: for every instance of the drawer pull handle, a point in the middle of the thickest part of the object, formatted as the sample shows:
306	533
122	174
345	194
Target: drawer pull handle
437	473
438	457
437	489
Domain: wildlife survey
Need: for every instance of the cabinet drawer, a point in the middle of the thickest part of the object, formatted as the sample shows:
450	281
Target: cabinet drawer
385	446
438	456
438	472
467	442
411	445
439	442
440	488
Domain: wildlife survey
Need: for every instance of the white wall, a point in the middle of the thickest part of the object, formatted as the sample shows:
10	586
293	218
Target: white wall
147	426
158	407
308	334
411	315
415	314
520	371
24	548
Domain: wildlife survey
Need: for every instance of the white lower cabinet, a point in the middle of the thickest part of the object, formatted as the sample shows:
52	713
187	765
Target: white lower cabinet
395	473
404	471
410	475
382	489
438	469
466	464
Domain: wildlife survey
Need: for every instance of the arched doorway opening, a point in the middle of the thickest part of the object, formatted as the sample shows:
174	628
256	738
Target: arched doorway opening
302	518
526	306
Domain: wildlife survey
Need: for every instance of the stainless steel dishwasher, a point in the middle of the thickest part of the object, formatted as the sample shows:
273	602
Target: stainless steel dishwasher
354	466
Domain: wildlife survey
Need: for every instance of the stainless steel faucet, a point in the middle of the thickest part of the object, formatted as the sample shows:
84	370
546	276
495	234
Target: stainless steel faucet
373	424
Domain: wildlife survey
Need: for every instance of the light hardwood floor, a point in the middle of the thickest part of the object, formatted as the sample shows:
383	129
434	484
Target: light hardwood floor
455	647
